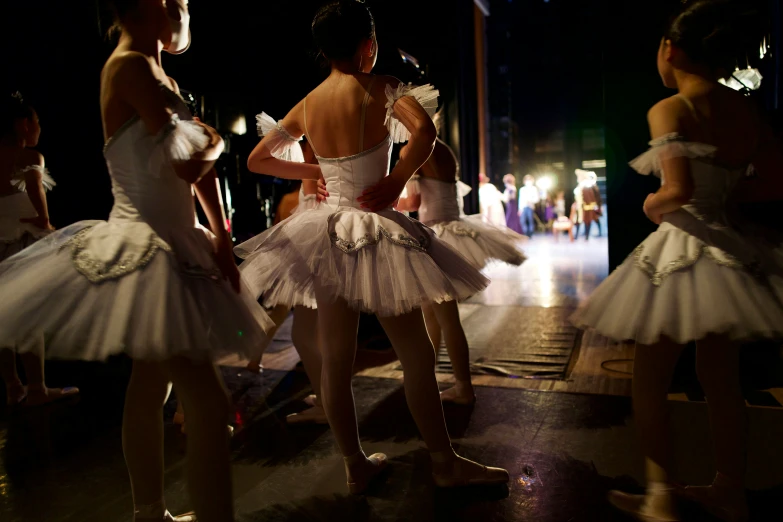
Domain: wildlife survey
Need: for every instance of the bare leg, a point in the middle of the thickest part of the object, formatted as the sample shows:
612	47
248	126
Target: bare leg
208	465
14	391
278	315
338	326
305	337
408	335
447	317
142	437
653	370
717	363
31	353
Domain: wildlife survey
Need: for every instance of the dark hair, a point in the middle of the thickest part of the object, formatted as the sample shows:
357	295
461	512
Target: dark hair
118	9
339	28
717	33
13	109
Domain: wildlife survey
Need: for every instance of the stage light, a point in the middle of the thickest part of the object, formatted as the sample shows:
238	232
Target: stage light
239	125
594	164
545	183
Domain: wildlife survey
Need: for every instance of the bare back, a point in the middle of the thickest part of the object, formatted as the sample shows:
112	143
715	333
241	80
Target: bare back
331	115
724	118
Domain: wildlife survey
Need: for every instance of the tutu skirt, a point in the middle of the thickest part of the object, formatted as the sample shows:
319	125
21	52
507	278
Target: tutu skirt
99	288
481	242
382	263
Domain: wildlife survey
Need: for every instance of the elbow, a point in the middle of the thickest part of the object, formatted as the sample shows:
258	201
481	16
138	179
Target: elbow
251	163
425	132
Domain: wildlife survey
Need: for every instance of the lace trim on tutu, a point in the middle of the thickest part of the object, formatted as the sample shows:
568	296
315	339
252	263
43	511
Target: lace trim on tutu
666	147
20	183
426	95
350	246
684	262
281	144
178	141
457	228
97	271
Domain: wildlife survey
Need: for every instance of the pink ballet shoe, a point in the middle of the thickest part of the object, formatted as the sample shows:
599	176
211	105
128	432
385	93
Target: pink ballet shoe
361	470
456	472
314	415
168	517
459	395
43	396
638	507
15	395
729	505
254	367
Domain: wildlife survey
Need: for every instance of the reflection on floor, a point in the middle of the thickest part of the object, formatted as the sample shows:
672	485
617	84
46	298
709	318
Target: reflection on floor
564	450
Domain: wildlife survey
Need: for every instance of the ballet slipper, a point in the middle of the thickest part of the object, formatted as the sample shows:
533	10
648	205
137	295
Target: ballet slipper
651	507
449	470
168	517
15	394
312	400
461	394
255	367
723	499
314	415
42	395
360	470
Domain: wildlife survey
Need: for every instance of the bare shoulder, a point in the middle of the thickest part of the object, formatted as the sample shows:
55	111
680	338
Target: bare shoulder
30	157
667	116
174	84
293	122
385	80
127	67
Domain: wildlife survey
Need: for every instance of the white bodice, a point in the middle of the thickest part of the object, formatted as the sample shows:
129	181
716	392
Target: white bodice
439	201
144	185
346	178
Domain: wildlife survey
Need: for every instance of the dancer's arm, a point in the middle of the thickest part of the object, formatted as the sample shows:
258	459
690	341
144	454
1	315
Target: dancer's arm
208	192
677	187
34	186
262	161
191	147
411	200
410	113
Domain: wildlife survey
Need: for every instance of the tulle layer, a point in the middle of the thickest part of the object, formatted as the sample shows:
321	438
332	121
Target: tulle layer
159	306
11	248
667	147
480	242
685	297
383	263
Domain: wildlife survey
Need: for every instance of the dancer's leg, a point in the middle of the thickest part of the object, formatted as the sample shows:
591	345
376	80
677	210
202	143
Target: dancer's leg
717	364
207	404
31	353
434	329
14	390
457	345
142	437
338	326
304	334
278	314
408	335
653	370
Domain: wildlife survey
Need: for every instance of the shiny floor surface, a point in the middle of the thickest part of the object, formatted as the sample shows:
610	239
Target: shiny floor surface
565	451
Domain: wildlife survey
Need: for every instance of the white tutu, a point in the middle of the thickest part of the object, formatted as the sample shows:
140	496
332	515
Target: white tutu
698	274
145	283
15	236
383	263
480	242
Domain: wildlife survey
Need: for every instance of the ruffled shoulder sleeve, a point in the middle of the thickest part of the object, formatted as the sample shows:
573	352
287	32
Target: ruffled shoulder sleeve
20	183
463	189
178	141
426	95
281	144
667	147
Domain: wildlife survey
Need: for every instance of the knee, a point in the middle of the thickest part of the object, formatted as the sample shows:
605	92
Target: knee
213	407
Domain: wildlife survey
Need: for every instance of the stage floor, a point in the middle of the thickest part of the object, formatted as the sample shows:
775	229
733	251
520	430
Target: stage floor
564	450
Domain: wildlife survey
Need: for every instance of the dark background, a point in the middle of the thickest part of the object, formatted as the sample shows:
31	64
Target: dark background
570	74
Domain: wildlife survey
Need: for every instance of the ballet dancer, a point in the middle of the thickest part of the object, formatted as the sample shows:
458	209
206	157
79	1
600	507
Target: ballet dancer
699	277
